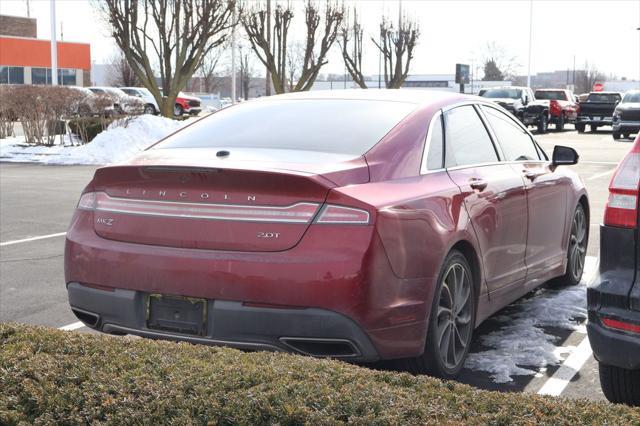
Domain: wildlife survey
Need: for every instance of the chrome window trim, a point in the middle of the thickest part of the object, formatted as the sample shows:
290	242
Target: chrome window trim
427	144
476	104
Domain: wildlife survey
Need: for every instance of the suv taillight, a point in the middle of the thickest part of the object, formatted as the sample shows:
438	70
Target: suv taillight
622	207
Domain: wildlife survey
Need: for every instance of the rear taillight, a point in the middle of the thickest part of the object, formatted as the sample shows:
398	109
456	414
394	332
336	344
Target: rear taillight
622	207
87	201
332	214
554	107
621	325
296	213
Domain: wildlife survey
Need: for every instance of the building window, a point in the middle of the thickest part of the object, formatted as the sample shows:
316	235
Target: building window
11	75
40	75
67	77
16	75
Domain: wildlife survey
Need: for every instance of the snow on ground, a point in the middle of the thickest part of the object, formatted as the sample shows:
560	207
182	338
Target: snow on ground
115	144
521	346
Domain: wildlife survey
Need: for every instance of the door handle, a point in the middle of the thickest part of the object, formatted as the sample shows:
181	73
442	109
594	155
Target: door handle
531	175
478	184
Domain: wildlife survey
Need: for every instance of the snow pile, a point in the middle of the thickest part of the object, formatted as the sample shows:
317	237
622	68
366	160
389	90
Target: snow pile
115	144
521	346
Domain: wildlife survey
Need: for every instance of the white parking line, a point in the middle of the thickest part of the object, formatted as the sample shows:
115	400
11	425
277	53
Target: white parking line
557	383
599	175
26	240
71	327
572	365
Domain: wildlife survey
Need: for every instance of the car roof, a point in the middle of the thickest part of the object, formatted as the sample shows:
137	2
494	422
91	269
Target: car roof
551	90
414	96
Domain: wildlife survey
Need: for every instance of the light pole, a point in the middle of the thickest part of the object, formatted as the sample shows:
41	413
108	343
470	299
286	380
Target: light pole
530	34
54	46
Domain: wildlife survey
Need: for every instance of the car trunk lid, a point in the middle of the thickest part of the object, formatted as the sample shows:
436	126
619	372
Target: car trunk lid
190	202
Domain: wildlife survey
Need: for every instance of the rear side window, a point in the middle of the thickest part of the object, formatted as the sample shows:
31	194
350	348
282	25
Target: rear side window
516	144
604	97
467	139
558	95
436	144
338	126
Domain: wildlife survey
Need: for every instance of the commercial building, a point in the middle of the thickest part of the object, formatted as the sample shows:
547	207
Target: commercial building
25	59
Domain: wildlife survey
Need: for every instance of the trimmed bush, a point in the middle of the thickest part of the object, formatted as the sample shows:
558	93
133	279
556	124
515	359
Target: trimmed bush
54	377
87	128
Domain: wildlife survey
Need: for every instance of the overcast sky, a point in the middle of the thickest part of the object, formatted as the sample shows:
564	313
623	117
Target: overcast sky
600	32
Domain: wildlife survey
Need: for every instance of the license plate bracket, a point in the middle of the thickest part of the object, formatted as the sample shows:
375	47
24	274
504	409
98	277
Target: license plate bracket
175	314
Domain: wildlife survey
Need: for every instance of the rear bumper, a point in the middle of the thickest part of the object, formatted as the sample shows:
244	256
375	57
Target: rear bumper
626	126
229	323
329	271
613	295
614	347
604	121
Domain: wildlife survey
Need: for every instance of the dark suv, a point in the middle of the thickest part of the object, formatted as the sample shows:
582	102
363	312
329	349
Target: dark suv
614	298
521	102
626	117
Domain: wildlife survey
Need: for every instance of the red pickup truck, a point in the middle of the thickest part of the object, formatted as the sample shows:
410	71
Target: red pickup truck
187	105
563	107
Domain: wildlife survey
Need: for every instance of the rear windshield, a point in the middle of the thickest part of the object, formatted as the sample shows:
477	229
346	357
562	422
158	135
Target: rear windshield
603	97
349	127
557	95
632	97
502	93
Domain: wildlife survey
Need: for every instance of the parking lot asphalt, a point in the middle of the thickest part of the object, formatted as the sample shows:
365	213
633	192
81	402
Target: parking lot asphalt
38	201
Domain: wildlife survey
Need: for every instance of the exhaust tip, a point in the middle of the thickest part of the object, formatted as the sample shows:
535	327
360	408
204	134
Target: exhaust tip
319	347
89	318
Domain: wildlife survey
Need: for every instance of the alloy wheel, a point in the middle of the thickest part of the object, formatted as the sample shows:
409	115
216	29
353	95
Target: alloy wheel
578	244
454	316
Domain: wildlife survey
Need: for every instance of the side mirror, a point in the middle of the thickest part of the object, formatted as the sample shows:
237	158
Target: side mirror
564	156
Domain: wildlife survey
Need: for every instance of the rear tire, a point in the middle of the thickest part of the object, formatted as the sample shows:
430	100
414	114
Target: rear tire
577	250
149	109
626	135
543	124
178	111
620	385
594	128
580	128
451	321
616	135
560	123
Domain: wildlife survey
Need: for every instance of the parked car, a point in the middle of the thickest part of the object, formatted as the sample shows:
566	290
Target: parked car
122	102
614	298
186	104
86	103
562	105
354	236
142	93
626	117
521	102
597	110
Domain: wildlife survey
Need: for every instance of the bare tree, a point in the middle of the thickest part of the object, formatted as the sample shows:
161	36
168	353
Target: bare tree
352	54
121	73
585	79
295	56
209	68
246	73
274	55
396	46
498	63
169	36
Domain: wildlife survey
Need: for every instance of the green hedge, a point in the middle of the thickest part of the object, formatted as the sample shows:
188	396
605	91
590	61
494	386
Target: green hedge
53	377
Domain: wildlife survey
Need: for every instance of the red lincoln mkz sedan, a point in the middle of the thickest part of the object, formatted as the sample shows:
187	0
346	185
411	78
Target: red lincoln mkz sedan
362	225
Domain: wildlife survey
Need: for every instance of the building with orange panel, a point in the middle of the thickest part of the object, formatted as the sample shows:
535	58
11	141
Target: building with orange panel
24	59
